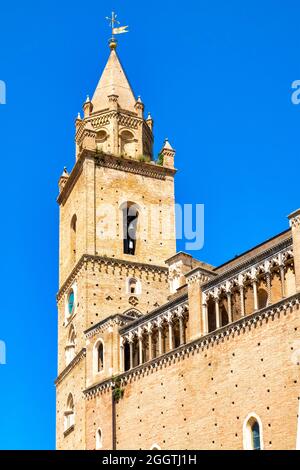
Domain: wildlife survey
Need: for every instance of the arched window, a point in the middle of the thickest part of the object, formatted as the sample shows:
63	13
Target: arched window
71	302
253	433
98	357
155	447
69	413
101	138
132	286
98	439
73	228
130	219
70	346
127	144
262	295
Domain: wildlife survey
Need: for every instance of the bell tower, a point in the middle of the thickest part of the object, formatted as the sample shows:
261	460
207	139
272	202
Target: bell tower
116	229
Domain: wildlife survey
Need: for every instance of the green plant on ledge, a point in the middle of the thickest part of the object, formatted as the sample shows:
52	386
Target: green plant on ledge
118	391
160	159
144	158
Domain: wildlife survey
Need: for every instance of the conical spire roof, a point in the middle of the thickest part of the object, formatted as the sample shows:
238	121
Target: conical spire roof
113	82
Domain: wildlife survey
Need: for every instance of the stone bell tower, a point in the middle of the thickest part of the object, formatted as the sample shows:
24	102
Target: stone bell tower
116	231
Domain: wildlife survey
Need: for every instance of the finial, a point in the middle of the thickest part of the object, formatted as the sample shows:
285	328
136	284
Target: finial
87	99
149	116
139	99
79	117
65	172
121	29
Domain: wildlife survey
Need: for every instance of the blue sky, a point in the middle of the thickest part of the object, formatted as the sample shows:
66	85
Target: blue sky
216	77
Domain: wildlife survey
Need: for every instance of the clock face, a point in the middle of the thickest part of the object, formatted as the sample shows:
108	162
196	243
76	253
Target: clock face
71	302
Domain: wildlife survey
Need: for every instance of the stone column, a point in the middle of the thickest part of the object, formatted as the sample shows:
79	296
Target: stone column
204	318
160	351
282	280
122	355
170	334
254	286
294	219
131	353
217	311
268	280
181	329
150	344
242	298
229	306
140	336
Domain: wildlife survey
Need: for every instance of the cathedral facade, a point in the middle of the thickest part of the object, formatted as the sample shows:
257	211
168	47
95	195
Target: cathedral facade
156	349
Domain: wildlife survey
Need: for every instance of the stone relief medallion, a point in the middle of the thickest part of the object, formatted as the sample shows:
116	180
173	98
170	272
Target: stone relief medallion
133	300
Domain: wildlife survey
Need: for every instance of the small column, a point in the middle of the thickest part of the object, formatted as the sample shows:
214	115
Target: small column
150	344
122	355
204	318
217	310
282	280
131	353
254	286
140	348
170	334
229	306
160	351
242	297
181	331
268	280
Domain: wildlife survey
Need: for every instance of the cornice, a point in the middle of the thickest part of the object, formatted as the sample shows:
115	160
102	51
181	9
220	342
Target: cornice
107	261
70	366
117	319
154	313
248	263
212	339
73	177
129	165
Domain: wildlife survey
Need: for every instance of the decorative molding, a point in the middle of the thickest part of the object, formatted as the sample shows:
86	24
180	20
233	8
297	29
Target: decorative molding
211	339
104	262
70	366
200	275
263	256
118	319
128	165
143	323
155	314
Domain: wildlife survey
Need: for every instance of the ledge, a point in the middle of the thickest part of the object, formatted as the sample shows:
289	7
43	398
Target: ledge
149	316
210	339
105	259
246	264
70	366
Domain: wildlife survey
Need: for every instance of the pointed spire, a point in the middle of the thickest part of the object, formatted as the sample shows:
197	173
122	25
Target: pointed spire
167	145
149	121
113	82
168	154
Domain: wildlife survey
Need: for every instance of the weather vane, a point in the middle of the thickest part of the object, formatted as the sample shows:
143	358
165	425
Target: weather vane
115	30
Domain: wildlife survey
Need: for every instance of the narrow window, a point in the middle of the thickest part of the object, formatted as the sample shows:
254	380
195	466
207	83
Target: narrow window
252	431
130	218
255	436
69	413
73	238
100	357
70	346
98	439
132	286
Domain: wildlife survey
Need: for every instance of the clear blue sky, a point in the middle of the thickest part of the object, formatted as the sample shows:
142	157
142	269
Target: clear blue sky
216	77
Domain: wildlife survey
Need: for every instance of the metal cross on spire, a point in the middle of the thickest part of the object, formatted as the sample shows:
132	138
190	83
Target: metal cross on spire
112	23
